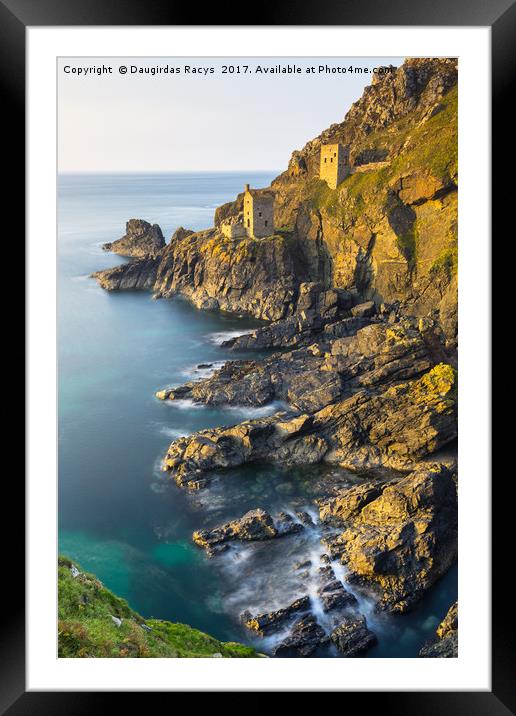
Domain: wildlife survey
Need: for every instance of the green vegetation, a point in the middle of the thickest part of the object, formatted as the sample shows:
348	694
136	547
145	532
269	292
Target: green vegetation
285	231
430	147
433	146
86	627
447	261
407	243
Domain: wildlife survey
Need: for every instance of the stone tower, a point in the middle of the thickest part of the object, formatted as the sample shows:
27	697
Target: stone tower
334	164
258	213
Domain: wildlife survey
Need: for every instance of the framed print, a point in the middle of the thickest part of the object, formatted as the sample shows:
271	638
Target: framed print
258	290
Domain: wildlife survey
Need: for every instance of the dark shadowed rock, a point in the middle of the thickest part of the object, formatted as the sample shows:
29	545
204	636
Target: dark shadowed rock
255	525
274	620
446	641
286	524
352	637
303	640
331	591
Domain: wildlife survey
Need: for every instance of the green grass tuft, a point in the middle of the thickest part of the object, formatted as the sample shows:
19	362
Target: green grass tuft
86	627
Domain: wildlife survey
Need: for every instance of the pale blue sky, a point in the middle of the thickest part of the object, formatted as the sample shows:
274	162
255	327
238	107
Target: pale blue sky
180	122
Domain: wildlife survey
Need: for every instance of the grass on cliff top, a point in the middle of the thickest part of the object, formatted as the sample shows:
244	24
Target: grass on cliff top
431	147
86	627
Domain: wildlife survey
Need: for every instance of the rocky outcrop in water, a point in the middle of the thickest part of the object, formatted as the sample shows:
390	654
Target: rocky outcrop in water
401	542
140	240
331	591
312	377
352	637
446	642
255	525
305	637
268	622
393	426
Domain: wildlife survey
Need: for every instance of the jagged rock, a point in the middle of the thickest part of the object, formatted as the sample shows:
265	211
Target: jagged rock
254	525
349	502
139	274
405	539
352	637
303	640
331	591
446	641
286	525
450	623
303	565
363	310
271	621
140	240
310	378
180	234
394	428
305	518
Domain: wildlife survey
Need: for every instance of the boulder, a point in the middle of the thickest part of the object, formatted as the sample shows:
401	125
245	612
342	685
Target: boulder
405	539
352	636
363	310
331	591
305	637
254	525
272	621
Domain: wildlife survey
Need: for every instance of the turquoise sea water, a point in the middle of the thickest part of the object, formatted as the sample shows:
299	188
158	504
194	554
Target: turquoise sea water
118	516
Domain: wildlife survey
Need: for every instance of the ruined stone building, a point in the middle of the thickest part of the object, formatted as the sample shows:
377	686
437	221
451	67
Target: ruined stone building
258	212
334	164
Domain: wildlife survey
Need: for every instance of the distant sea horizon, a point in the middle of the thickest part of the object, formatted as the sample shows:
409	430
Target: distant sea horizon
151	172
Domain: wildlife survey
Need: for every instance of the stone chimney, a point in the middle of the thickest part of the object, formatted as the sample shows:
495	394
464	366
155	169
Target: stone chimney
246	187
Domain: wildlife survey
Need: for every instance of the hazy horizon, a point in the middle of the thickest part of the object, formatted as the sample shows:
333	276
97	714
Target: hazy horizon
141	123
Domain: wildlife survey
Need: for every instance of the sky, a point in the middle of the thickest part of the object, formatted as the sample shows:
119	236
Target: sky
214	121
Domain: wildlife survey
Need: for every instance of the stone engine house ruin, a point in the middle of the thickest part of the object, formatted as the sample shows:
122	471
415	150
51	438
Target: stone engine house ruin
334	164
258	213
258	216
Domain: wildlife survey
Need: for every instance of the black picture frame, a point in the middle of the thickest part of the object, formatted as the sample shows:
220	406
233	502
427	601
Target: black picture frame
15	17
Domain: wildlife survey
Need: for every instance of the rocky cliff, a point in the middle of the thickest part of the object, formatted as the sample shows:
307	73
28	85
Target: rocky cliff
387	233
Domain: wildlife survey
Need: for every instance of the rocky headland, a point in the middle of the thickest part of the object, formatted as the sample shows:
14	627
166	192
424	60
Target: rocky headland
140	240
358	288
